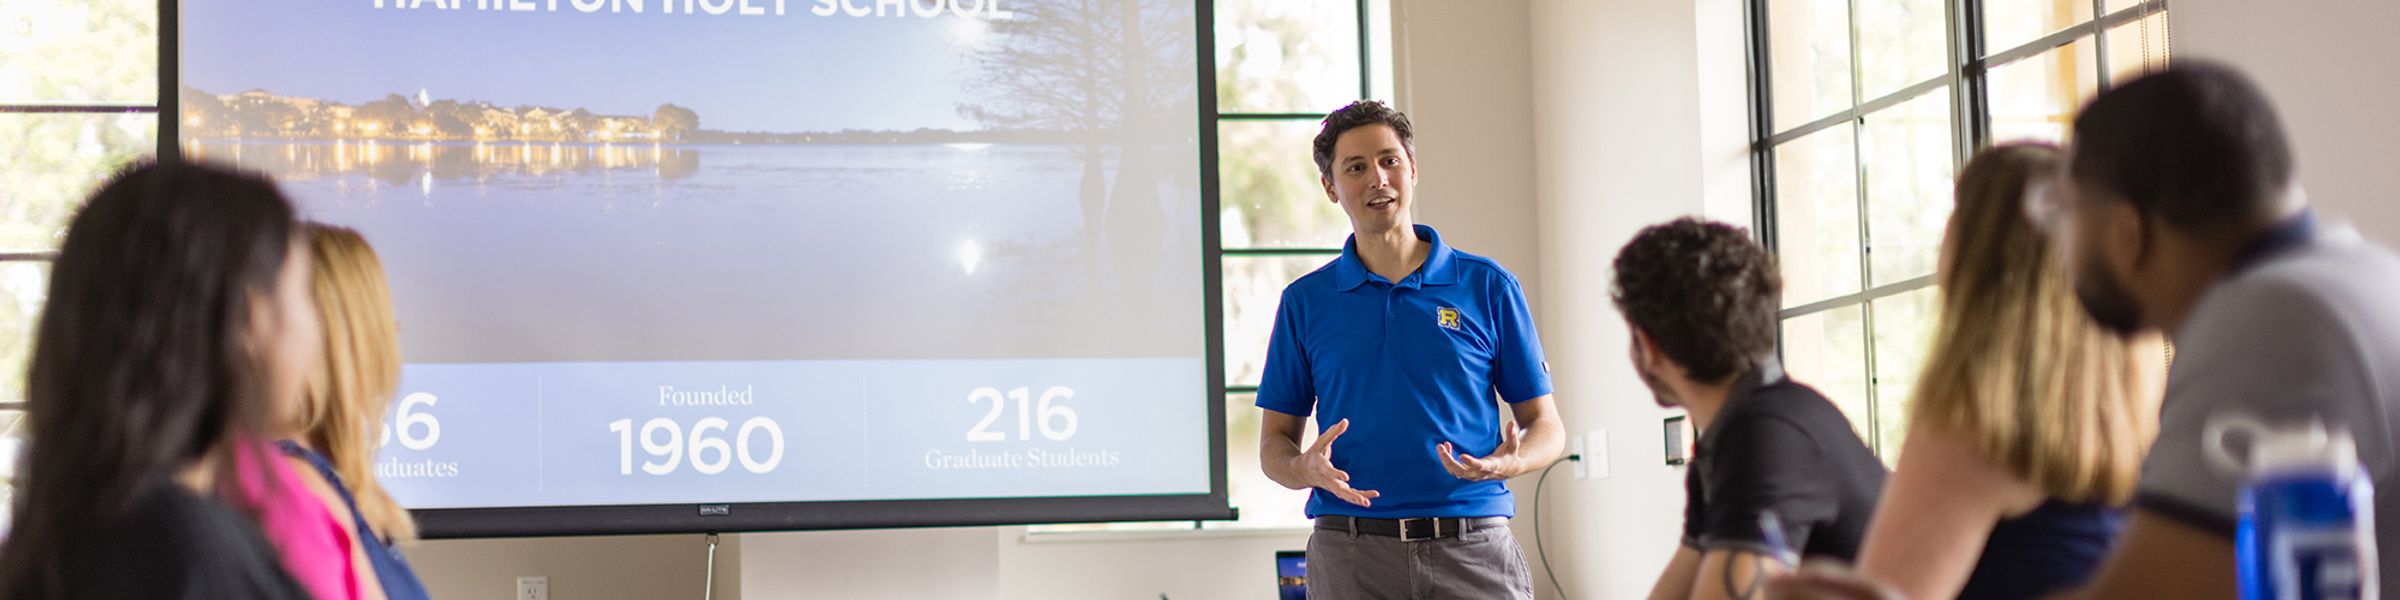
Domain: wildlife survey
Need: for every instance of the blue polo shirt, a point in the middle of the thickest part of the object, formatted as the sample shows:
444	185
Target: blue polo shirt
1411	364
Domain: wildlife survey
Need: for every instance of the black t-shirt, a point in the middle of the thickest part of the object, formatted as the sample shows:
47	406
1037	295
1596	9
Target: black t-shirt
1780	446
175	544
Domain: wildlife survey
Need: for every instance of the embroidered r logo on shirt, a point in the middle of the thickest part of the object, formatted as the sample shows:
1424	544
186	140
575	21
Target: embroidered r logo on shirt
1449	318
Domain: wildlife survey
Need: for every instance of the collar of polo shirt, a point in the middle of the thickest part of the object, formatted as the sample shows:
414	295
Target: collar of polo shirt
1350	272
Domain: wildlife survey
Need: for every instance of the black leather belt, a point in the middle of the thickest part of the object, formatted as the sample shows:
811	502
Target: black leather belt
1409	530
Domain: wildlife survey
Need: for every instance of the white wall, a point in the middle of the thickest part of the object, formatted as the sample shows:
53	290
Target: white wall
1466	82
2328	64
993	563
1640	118
656	566
1617	102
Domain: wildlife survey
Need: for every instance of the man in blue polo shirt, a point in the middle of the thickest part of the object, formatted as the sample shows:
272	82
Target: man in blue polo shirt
1401	345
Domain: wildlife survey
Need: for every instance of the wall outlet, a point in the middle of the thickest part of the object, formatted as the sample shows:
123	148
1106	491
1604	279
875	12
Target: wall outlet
1582	465
533	588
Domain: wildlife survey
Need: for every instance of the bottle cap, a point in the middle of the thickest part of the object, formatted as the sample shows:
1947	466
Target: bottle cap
2303	447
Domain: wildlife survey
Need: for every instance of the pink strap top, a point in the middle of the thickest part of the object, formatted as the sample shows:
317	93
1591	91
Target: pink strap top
314	547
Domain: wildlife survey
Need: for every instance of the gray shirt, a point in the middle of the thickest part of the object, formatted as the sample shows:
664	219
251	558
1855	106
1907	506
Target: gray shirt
2307	331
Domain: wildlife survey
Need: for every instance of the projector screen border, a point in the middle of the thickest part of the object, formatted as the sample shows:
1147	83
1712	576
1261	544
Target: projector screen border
552	521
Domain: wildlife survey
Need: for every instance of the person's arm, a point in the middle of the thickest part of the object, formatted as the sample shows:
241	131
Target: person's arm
1676	582
1521	377
1937	511
2160	557
1730	574
1286	395
1757	465
1288	465
1528	444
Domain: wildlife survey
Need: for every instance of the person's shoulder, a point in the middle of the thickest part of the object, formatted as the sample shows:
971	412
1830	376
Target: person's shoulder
1787	404
2345	287
1319	279
1788	398
1469	266
2331	270
165	525
170	515
172	542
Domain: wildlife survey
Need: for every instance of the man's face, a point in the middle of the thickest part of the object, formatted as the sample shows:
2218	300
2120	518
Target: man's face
2094	237
1374	178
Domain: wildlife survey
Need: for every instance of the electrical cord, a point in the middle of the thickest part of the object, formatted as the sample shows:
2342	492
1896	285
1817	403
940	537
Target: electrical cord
1538	522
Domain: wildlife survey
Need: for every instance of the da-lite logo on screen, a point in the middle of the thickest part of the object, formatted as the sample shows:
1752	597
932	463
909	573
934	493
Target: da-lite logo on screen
1449	318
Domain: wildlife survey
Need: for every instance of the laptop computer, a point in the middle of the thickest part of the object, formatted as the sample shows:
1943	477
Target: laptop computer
1291	575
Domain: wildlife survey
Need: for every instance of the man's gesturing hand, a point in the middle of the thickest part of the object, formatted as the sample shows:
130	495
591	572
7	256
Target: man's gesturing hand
1316	467
1502	464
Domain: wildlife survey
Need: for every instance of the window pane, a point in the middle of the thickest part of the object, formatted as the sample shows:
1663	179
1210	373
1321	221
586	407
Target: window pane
1903	335
1816	215
2117	5
24	285
50	162
1828	351
1900	43
2011	23
1269	195
1253	289
2137	48
12	432
1263	502
1283	56
2036	98
1906	152
1809	59
79	52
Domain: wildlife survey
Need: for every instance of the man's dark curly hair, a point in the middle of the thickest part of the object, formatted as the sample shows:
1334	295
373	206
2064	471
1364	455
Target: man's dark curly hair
1360	114
1703	291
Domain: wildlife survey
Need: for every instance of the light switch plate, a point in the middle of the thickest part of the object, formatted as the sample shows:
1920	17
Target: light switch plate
1595	455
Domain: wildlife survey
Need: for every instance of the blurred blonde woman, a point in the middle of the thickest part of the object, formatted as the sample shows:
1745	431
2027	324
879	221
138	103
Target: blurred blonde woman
336	430
2030	421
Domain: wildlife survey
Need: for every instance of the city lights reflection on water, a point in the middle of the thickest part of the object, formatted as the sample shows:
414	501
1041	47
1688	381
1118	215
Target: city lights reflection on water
424	162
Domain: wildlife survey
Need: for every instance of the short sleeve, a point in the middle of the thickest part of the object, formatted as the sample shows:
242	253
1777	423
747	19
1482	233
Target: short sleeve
1763	463
1287	386
1520	371
2262	350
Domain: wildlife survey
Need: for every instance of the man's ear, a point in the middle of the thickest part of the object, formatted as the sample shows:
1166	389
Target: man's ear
1645	350
1327	182
2126	237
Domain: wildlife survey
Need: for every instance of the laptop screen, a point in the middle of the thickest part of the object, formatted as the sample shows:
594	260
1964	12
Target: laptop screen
1291	575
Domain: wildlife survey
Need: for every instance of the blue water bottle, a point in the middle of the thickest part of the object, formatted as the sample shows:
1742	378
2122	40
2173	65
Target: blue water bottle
2307	529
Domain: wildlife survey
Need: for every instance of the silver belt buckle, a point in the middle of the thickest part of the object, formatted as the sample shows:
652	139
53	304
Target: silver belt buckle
1437	529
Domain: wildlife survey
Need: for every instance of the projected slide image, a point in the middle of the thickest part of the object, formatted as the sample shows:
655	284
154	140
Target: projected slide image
667	186
660	251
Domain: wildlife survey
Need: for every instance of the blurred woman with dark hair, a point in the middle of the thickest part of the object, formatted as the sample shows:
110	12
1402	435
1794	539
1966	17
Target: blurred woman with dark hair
178	322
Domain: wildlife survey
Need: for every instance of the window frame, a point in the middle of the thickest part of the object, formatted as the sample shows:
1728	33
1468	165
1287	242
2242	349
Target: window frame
1966	81
168	74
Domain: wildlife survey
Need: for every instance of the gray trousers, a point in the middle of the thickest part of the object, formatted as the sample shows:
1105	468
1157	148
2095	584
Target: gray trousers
1480	565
